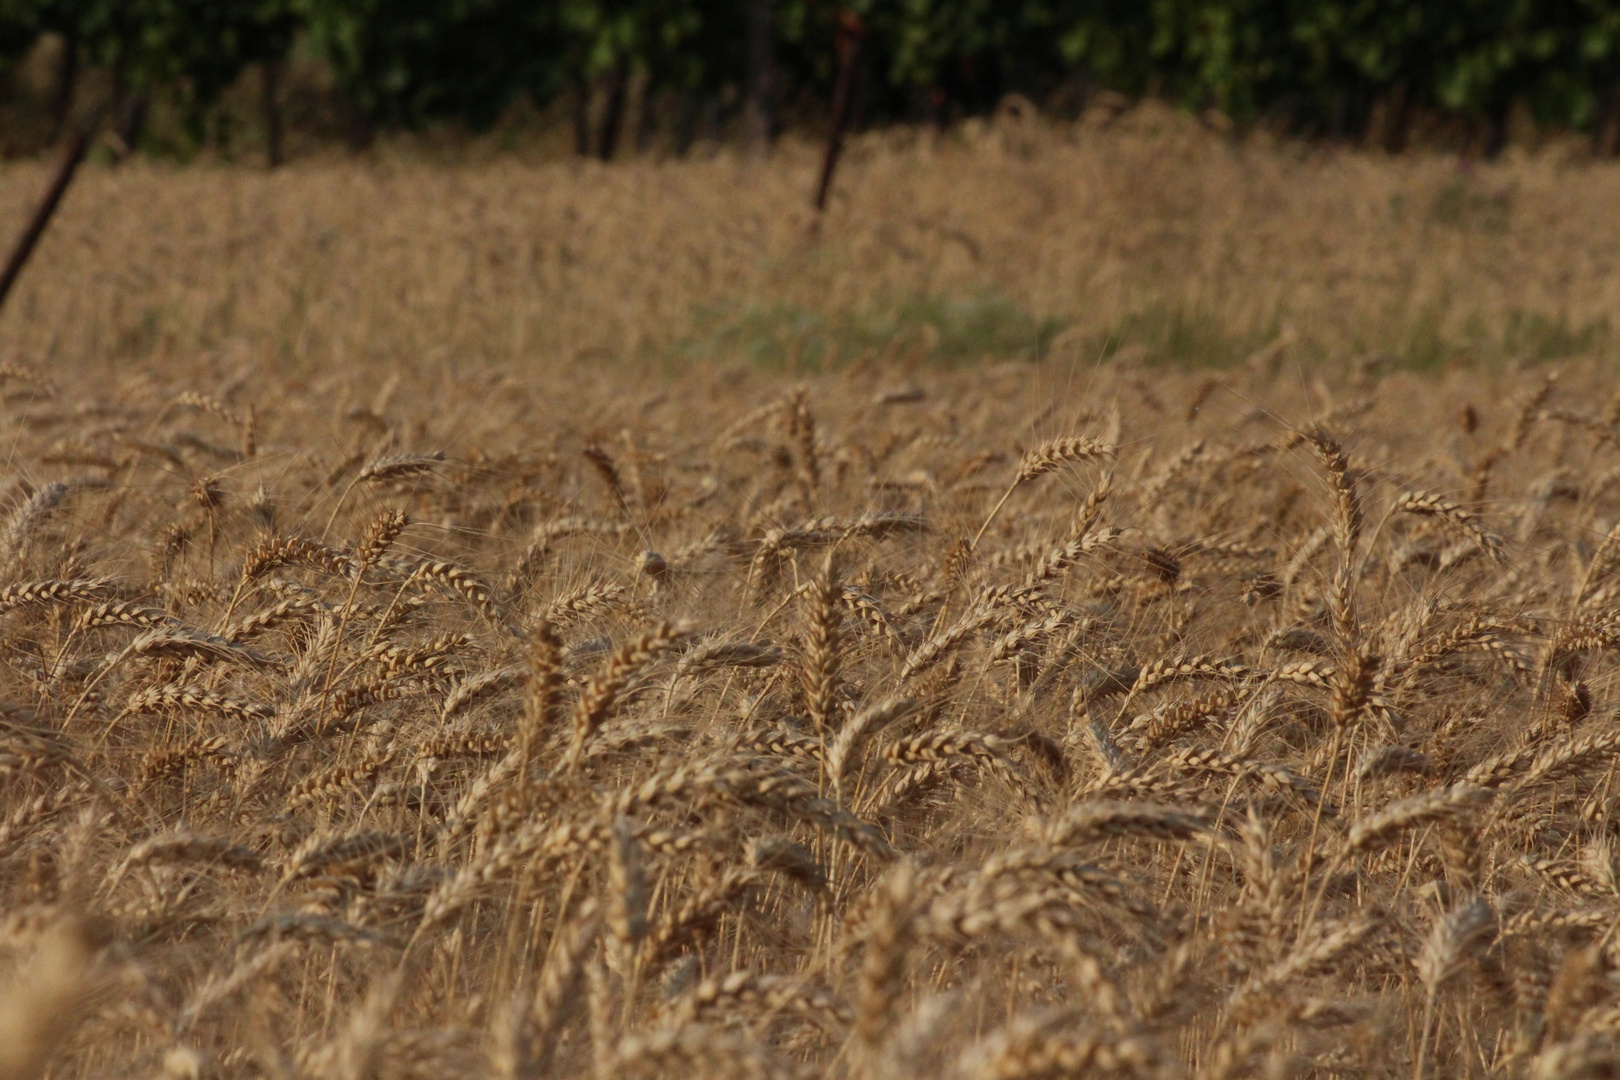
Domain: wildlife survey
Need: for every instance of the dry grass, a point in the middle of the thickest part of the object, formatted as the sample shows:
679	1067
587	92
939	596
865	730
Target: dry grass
555	726
999	239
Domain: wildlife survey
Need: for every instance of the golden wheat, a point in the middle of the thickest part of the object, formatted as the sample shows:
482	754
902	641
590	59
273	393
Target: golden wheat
676	724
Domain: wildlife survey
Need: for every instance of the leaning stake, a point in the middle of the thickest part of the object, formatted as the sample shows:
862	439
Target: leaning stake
850	32
42	216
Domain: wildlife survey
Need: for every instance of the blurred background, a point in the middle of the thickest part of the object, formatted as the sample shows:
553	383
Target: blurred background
627	76
801	183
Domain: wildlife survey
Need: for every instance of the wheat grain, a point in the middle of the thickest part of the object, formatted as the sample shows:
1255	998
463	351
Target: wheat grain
185	847
1094	821
1458	517
396	466
1055	453
599	695
823	649
18	530
582	602
1376	830
53	591
987	751
842	753
171	697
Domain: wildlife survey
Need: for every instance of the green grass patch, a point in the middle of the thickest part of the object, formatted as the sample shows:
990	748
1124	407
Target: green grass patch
1180	335
1543	337
783	336
1521	335
1464	204
942	329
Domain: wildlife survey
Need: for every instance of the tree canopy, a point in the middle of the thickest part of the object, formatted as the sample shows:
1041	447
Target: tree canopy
1326	65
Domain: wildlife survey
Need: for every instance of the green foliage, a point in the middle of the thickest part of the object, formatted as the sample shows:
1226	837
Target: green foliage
408	61
194	49
1327	64
198	45
19	26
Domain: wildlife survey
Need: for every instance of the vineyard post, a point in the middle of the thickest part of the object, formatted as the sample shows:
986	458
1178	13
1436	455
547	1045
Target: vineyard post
42	214
850	32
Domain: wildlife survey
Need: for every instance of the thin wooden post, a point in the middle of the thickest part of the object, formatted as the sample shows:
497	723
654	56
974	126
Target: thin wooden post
42	214
850	33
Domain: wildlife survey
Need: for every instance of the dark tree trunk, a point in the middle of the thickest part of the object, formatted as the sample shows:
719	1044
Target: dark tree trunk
637	104
67	78
687	107
648	119
1339	115
362	133
582	118
1496	132
1387	121
273	136
42	214
612	113
758	121
362	126
131	118
1606	137
709	119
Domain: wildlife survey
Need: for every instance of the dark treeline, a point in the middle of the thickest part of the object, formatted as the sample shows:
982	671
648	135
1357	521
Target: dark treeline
1320	68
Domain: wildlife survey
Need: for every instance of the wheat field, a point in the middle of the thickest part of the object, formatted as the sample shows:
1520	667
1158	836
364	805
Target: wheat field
993	723
1146	233
393	707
